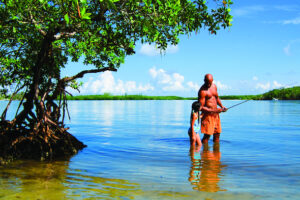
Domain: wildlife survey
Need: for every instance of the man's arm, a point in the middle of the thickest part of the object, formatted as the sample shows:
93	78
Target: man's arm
220	103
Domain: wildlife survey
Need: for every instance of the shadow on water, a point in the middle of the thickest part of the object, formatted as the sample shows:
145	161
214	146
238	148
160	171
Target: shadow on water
206	168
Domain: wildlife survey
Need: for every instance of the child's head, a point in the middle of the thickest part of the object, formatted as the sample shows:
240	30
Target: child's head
196	106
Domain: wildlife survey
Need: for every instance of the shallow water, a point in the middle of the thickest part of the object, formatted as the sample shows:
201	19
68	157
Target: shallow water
140	150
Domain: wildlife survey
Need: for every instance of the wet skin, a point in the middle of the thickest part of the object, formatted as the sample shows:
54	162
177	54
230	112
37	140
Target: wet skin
209	99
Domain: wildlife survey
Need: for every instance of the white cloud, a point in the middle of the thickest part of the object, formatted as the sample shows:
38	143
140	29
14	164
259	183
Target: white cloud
172	49
106	83
153	72
286	50
268	85
193	86
221	86
277	85
251	10
160	75
265	86
287	8
161	82
294	21
244	11
175	82
167	81
151	50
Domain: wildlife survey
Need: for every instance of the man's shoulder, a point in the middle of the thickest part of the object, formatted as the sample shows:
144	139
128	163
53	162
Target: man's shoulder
202	90
214	86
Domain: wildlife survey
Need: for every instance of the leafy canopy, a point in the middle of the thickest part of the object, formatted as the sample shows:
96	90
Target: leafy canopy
102	32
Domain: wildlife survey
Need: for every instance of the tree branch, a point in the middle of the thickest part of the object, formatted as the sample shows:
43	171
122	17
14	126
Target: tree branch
36	24
82	73
10	100
66	35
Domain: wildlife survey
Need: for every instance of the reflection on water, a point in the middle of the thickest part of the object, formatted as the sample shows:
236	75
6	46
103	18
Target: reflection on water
22	178
54	180
206	168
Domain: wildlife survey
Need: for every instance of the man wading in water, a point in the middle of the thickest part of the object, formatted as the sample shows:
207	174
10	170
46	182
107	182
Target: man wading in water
209	99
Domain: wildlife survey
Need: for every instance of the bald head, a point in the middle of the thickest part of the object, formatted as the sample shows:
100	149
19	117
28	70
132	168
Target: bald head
208	80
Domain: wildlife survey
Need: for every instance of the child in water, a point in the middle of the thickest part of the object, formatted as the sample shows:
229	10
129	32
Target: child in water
195	125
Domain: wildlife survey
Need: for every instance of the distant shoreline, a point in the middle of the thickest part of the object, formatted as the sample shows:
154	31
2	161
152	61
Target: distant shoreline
143	97
277	94
127	97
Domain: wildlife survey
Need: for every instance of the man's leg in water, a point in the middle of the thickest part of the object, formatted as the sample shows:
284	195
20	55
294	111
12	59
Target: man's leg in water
205	138
216	137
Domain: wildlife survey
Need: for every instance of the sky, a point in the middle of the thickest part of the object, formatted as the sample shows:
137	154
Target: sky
258	53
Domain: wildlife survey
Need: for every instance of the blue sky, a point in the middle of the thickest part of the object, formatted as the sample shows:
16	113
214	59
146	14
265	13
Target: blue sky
260	52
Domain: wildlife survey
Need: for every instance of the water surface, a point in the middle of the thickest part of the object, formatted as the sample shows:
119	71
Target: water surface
140	150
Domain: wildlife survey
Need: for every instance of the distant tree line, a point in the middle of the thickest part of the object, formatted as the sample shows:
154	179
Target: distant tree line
282	94
241	97
107	96
292	93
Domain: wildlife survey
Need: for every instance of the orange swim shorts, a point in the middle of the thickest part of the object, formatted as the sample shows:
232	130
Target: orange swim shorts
210	123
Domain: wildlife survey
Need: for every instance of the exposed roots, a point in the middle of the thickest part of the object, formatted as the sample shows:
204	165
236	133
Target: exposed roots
45	143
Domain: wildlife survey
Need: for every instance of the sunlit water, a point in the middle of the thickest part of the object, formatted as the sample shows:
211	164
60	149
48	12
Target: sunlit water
140	150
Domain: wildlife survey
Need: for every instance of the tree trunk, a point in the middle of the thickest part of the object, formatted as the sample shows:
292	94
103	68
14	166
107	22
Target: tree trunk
39	134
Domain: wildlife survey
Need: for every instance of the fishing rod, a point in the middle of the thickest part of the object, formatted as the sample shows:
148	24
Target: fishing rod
238	104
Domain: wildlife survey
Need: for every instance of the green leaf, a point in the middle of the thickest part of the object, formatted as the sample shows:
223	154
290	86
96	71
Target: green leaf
86	16
67	18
